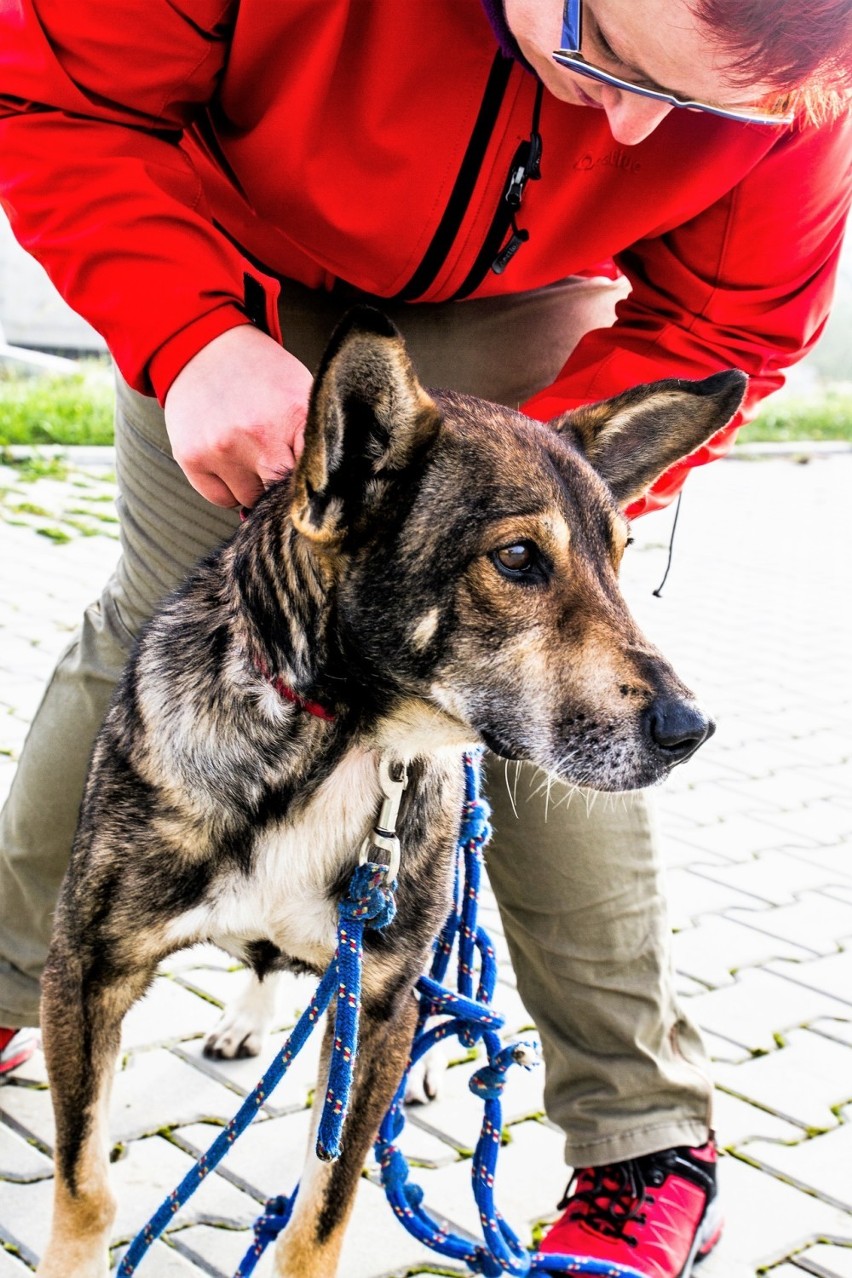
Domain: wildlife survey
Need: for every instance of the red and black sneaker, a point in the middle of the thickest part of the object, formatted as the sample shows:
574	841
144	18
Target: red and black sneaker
16	1046
656	1215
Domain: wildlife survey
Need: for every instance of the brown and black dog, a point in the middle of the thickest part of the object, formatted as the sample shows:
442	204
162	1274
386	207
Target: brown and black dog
438	572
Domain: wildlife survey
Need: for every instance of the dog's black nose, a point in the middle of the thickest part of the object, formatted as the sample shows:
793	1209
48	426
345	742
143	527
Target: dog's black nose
676	728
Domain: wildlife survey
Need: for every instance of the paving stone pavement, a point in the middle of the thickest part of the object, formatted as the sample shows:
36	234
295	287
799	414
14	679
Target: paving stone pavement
756	833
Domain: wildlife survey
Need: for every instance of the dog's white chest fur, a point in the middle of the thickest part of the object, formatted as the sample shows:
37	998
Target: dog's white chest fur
286	897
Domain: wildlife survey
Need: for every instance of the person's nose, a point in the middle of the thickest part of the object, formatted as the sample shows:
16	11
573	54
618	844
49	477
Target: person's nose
631	117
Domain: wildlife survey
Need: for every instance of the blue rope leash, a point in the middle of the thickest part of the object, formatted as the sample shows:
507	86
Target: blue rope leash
472	1019
369	902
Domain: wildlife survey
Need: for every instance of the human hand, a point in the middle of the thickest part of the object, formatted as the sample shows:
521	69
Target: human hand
235	415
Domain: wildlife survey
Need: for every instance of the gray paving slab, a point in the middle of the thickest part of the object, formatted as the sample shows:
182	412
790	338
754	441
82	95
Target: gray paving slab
817	920
826	1261
757	836
11	1266
716	948
776	877
766	1221
758	1007
807	1081
821	1165
831	975
19	1159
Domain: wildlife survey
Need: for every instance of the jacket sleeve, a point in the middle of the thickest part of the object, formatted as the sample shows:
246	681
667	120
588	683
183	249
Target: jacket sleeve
93	104
746	284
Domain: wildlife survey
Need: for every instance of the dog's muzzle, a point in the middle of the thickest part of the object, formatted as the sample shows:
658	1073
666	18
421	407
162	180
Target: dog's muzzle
674	729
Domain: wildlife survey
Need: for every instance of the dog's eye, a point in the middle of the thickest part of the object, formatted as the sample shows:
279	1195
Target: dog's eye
519	560
516	558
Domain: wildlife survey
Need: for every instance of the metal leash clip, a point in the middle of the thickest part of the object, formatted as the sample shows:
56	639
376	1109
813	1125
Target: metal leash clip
393	778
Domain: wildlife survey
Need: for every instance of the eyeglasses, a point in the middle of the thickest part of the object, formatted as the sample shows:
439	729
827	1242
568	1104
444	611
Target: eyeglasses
570	56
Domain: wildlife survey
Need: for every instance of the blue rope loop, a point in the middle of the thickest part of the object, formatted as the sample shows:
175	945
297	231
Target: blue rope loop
266	1229
471	1019
369	902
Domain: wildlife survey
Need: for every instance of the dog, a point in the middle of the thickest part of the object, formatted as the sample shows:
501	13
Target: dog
437	573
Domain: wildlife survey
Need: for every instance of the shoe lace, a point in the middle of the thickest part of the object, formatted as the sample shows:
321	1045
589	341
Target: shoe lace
615	1197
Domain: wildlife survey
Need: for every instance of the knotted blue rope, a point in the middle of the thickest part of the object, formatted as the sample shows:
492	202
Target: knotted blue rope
369	902
471	1019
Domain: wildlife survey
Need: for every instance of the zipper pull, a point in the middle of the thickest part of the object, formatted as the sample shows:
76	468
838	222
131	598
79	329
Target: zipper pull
519	236
528	169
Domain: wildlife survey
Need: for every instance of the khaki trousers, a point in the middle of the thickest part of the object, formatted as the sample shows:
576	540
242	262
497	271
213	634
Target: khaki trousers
580	892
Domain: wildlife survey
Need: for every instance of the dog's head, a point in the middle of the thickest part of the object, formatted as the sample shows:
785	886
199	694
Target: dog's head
474	554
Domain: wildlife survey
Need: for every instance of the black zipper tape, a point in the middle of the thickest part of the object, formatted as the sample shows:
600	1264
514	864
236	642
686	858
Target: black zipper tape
496	252
468	175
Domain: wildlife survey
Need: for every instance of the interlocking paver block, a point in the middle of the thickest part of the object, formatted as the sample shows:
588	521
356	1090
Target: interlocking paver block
26	1215
293	1091
19	1160
12	1266
826	1261
736	1121
157	1089
777	878
167	1013
783	792
266	1160
840	1031
816	921
836	859
164	1261
717	947
742	837
806	1081
822	822
767	1220
150	1169
822	1164
831	975
691	897
757	1007
709	803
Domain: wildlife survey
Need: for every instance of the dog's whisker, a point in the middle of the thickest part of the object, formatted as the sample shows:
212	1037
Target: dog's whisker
508	788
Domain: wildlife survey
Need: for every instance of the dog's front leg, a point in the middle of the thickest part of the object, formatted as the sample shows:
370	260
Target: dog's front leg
310	1245
81	1013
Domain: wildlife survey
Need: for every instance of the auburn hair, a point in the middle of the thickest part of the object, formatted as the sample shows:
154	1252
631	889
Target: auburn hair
803	48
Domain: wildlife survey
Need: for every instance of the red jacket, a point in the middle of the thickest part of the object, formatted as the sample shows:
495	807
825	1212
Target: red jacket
152	152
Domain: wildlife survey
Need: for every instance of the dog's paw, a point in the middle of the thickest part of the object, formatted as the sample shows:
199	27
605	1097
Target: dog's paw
426	1077
245	1023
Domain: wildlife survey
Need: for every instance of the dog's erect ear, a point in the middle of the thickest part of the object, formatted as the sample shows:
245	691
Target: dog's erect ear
632	439
368	417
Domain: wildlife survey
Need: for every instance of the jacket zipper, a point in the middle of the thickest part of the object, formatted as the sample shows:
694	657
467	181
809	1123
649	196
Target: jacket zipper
460	196
495	255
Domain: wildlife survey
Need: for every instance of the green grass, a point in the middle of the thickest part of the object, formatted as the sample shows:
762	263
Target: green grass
57	410
825	417
78	410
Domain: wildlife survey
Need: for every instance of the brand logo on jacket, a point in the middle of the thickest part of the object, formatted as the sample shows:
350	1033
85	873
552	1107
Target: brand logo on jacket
617	158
